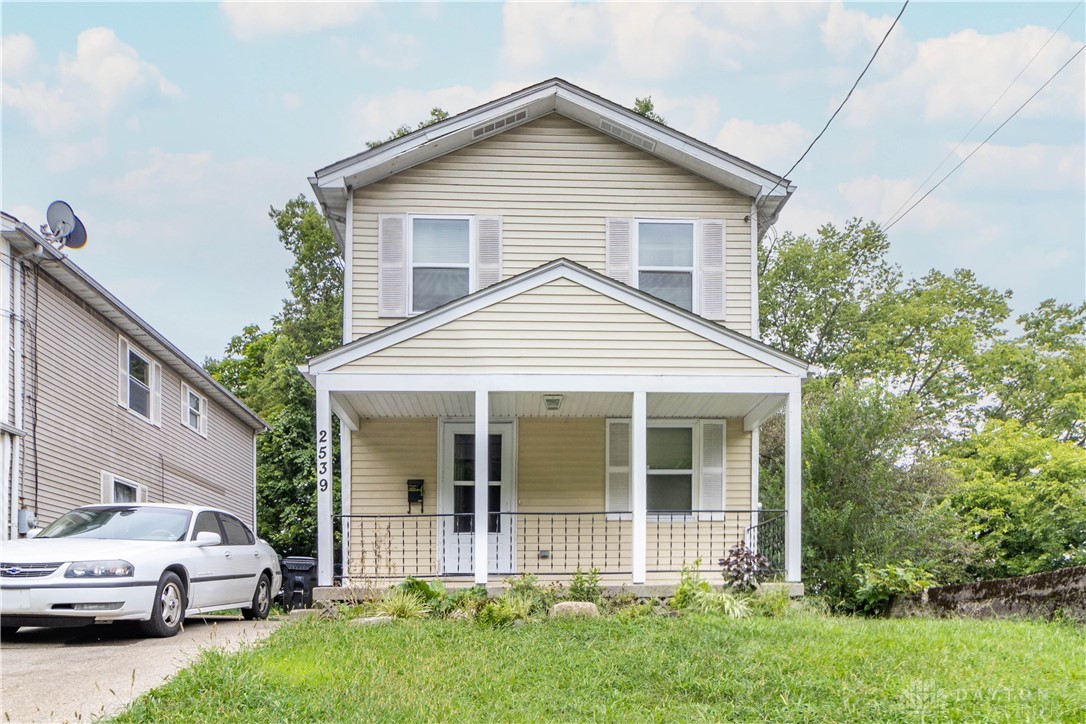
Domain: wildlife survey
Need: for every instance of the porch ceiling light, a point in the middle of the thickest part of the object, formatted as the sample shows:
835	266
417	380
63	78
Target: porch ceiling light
552	402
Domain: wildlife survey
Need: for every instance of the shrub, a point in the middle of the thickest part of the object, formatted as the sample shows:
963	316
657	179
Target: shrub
541	598
402	604
879	586
743	566
690	584
769	605
501	612
720	603
585	586
634	611
465	599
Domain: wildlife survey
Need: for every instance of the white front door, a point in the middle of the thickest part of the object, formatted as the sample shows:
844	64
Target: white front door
456	539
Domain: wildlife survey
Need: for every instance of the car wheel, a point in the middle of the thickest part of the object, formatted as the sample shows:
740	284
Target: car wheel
261	600
168	612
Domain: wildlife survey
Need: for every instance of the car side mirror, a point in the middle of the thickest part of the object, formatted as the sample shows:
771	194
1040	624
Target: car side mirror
206	538
33	532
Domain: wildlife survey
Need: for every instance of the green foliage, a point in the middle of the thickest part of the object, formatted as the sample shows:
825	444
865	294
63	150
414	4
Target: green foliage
879	586
1023	500
501	612
436	115
719	603
644	107
540	598
585	586
399	603
691	584
261	369
773	604
634	611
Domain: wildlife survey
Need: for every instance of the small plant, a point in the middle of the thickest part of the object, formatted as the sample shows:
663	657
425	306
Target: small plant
635	611
769	605
585	586
879	586
402	604
743	567
690	583
720	603
501	612
469	600
540	597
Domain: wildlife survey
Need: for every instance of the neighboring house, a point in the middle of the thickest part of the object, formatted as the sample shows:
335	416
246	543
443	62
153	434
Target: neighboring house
567	291
98	407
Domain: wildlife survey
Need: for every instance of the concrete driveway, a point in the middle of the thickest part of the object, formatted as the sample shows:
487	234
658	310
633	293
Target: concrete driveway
80	674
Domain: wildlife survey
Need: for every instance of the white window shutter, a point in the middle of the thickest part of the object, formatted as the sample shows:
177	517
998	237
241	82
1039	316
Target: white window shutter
712	468
107	487
488	251
711	269
620	263
156	394
392	265
141	493
618	466
122	372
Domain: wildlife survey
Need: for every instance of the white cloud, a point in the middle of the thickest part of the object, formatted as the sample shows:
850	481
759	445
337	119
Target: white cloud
845	31
18	53
100	77
291	101
769	145
65	157
163	171
252	20
1035	167
957	77
393	51
876	199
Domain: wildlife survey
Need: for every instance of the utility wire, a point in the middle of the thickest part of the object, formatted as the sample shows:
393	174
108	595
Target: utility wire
979	120
981	144
850	90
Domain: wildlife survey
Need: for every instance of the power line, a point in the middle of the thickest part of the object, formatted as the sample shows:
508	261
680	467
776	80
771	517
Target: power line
981	144
850	90
979	120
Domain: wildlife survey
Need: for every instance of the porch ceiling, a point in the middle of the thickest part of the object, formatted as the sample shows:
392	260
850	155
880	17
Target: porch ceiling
530	404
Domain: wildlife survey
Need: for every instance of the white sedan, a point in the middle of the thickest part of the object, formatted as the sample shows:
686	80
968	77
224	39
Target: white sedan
154	564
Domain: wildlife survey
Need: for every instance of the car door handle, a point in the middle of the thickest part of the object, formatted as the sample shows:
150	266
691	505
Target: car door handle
256	554
227	554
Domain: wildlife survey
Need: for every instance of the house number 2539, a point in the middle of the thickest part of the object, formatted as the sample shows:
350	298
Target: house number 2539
322	461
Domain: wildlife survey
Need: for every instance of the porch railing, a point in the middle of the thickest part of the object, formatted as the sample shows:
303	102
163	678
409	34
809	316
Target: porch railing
554	543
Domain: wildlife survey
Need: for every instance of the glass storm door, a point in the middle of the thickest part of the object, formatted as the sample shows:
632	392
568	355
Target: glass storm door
457	529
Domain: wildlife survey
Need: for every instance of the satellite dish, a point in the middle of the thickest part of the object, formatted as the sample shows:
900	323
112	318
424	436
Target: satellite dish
61	219
78	236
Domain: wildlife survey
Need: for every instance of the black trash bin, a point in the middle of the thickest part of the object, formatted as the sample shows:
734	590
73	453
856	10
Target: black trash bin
299	580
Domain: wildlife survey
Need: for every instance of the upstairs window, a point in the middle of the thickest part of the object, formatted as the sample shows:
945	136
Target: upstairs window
193	410
440	260
139	382
665	261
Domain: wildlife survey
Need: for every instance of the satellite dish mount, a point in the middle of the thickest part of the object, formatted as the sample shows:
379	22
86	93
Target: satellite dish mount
64	229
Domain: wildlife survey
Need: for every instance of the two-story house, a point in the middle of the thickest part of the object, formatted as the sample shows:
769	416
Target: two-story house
551	354
98	407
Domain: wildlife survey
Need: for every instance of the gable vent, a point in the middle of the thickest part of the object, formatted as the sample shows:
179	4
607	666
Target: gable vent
488	128
628	136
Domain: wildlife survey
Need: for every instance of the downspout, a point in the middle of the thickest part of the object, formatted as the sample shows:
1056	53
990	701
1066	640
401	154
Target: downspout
19	325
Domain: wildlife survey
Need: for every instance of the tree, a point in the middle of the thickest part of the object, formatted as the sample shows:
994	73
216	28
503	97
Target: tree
436	115
261	369
1023	500
644	107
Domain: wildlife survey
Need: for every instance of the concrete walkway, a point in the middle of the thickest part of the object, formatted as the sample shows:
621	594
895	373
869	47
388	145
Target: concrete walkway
81	674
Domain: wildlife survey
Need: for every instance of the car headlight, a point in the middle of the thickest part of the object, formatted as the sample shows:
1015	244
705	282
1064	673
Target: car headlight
100	569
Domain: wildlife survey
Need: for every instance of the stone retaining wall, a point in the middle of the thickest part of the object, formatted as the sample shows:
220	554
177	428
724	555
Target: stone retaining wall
1044	595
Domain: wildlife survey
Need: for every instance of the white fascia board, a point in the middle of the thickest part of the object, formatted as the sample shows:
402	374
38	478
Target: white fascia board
589	381
560	269
771	404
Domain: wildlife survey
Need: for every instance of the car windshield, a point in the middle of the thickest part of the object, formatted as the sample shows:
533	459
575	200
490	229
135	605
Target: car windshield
121	523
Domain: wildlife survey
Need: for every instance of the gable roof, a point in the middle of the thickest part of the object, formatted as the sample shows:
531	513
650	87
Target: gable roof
557	269
27	241
332	184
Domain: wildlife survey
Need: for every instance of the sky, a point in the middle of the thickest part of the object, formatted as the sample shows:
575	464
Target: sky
172	128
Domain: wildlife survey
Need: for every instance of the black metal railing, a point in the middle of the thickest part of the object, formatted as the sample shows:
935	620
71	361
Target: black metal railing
553	543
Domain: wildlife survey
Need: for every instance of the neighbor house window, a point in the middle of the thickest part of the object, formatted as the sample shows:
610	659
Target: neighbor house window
193	410
440	253
119	490
665	261
140	382
670	481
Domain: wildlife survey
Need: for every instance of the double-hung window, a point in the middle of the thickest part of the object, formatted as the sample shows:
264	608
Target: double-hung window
118	490
440	258
665	260
139	382
193	410
670	475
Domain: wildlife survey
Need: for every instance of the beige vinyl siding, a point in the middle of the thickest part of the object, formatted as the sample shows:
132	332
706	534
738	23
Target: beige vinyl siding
560	326
82	432
559	469
554	182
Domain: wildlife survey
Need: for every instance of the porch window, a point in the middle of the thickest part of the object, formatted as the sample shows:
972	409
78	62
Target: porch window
440	260
670	481
464	487
665	261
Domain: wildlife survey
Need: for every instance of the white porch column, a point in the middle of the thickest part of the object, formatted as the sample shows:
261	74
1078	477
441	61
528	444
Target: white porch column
345	496
793	482
324	488
639	483
482	482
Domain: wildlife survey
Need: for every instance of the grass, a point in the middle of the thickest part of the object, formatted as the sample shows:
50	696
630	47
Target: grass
696	667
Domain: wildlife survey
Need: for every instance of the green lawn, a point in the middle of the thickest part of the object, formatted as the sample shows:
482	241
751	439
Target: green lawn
797	669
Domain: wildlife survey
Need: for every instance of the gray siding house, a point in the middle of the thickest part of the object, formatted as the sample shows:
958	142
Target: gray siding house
97	407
